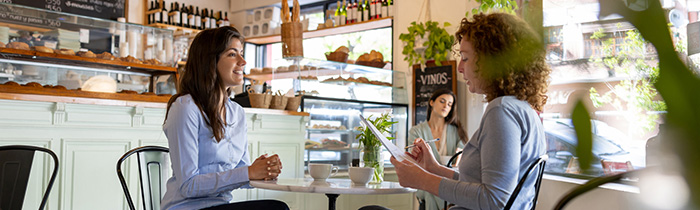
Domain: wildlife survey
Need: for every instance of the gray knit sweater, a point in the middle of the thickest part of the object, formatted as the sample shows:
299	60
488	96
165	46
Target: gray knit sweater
510	137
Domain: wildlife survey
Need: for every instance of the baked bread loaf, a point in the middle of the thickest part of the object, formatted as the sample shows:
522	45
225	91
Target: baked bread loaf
256	71
64	51
42	49
131	59
2	45
267	70
18	45
152	62
33	84
11	83
128	92
105	56
148	93
86	54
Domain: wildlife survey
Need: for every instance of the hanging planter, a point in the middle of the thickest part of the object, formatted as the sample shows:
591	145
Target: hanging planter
426	41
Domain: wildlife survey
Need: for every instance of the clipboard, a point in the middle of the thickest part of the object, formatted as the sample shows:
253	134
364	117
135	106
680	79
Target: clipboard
395	151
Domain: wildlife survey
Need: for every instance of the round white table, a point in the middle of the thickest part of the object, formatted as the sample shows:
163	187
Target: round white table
331	187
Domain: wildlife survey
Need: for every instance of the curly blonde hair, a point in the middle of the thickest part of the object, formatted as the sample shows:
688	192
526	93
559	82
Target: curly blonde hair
510	57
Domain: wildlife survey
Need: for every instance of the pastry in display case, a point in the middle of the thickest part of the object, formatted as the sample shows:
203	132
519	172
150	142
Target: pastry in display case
71	55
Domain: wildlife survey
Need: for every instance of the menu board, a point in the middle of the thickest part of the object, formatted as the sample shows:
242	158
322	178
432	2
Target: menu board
428	80
104	9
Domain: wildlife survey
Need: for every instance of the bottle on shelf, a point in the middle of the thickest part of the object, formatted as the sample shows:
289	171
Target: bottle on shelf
368	10
197	19
212	20
190	17
343	14
174	14
163	13
361	11
205	19
183	16
336	16
151	17
226	22
377	9
385	8
220	20
391	8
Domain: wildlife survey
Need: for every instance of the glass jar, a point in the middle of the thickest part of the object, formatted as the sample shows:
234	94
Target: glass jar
373	157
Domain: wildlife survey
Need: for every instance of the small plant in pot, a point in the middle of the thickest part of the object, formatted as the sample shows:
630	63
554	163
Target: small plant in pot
427	41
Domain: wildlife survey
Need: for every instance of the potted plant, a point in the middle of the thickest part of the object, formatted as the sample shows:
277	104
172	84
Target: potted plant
371	147
426	41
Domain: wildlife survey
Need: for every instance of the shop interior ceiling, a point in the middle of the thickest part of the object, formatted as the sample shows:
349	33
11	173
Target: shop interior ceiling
252	4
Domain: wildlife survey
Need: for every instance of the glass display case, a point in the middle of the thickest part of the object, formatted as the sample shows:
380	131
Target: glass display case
72	52
333	127
334	94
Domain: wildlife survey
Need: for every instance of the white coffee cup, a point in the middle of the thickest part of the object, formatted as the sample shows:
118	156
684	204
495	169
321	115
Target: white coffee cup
321	171
360	175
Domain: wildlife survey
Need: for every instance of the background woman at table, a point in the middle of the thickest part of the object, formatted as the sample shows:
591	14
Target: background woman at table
206	131
502	58
442	123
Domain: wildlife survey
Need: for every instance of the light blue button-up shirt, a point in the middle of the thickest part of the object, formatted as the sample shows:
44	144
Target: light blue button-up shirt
204	171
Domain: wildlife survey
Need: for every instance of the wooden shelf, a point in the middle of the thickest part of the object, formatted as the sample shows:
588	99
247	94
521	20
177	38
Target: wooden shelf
174	28
73	96
355	27
81	61
294	74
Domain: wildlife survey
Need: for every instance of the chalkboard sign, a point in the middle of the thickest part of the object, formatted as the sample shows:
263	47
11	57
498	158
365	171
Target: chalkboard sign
429	80
104	9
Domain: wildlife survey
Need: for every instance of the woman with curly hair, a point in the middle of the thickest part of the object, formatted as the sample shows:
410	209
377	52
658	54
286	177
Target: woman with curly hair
502	58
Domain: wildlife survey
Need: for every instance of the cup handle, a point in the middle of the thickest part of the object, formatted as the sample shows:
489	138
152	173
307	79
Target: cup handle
335	169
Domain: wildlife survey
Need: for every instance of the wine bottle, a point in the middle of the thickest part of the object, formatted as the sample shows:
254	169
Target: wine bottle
212	20
361	11
220	19
150	16
205	19
175	14
226	22
336	16
183	16
197	19
385	8
190	17
343	14
163	13
391	8
368	8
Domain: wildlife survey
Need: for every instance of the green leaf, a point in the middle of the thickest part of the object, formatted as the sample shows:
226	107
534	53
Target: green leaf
582	126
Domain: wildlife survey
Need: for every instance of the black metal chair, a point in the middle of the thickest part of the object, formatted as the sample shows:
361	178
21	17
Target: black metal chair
538	164
15	166
152	165
590	185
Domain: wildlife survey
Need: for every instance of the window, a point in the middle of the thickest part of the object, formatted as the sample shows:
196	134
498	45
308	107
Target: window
612	75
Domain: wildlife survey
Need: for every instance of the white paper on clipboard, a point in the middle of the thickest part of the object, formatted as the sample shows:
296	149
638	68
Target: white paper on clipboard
395	151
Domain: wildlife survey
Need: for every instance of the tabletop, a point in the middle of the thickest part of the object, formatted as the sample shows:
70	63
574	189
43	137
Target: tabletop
330	186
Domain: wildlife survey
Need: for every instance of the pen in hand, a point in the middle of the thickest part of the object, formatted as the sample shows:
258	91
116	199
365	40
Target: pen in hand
413	145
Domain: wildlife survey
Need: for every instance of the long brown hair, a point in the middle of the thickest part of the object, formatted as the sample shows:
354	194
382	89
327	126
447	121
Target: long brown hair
451	117
201	79
510	57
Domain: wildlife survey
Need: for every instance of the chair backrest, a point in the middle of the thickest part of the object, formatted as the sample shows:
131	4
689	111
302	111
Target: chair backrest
15	166
539	165
590	185
452	159
153	166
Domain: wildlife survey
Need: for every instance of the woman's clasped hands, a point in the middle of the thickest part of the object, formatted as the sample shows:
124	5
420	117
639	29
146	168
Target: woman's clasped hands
265	168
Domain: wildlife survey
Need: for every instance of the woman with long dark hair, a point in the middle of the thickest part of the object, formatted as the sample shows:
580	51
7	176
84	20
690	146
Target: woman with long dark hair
206	131
442	123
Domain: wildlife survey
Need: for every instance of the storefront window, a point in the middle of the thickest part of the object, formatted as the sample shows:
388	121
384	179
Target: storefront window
605	62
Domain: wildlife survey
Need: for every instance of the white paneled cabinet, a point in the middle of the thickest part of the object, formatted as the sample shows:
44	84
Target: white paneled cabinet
89	139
